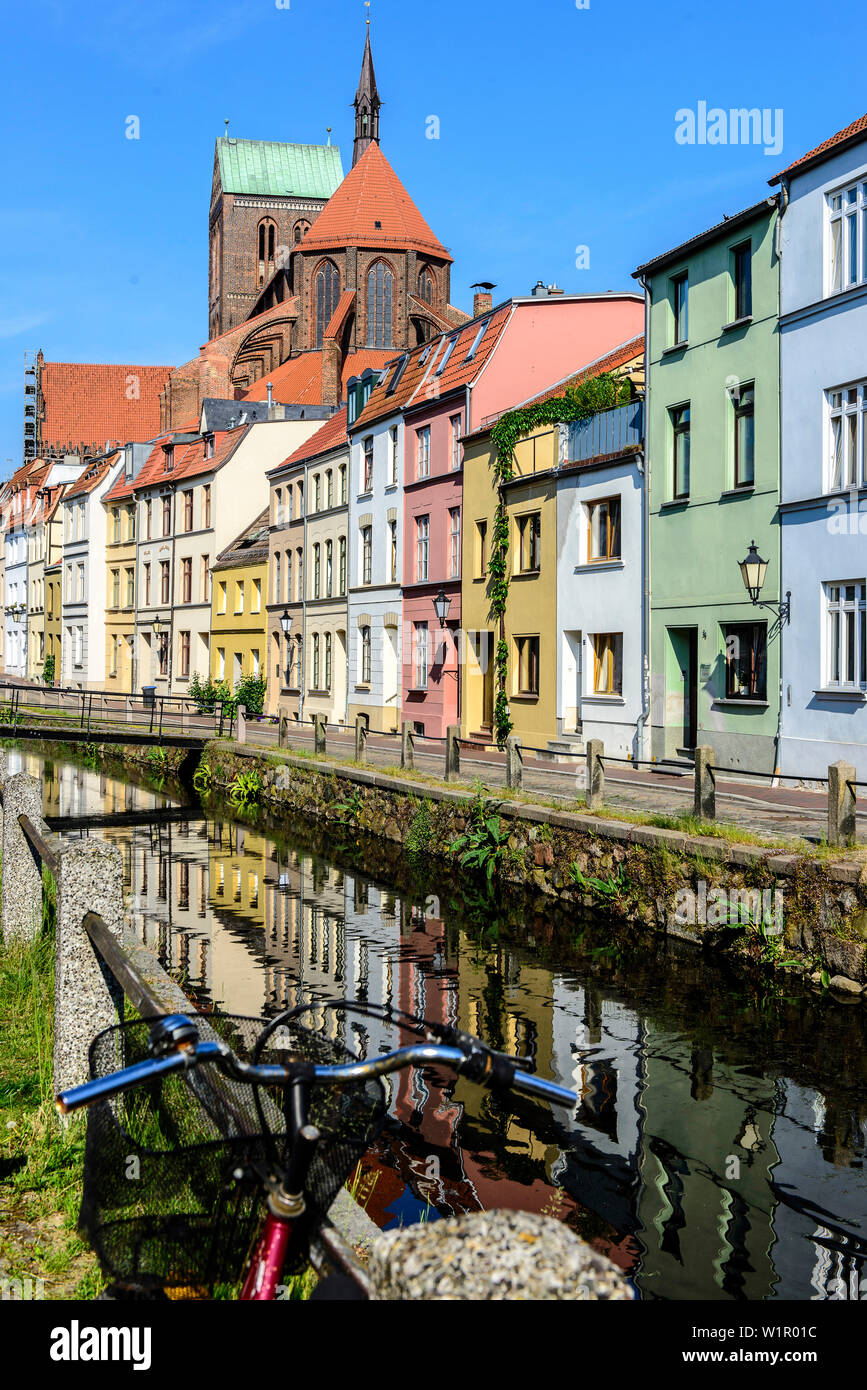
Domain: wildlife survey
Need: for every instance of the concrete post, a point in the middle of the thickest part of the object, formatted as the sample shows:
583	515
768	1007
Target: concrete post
320	722
241	731
841	804
4	773
595	791
129	709
283	731
407	746
514	764
453	751
360	737
21	899
86	996
704	807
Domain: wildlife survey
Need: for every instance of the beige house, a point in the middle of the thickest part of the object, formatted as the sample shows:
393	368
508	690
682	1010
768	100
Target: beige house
307	577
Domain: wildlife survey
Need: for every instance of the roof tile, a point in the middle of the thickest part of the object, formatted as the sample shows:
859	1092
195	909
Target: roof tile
89	403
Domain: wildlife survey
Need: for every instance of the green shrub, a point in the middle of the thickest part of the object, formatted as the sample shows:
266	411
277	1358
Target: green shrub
48	671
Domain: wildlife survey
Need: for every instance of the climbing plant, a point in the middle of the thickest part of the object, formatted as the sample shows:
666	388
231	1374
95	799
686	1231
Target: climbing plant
577	403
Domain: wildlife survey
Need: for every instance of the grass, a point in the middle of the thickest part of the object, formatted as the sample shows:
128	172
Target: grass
41	1163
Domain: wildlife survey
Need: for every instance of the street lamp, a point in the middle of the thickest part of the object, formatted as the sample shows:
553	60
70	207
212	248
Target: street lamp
753	570
442	603
286	622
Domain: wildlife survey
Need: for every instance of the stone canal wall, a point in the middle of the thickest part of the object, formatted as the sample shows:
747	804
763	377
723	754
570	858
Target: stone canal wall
783	910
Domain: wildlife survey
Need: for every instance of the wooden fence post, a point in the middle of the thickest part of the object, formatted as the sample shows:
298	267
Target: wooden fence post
407	746
453	751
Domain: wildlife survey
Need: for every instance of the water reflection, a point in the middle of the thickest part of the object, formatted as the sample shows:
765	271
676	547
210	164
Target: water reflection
719	1145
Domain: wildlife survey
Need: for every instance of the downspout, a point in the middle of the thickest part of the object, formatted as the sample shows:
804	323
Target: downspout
778	247
304	601
644	470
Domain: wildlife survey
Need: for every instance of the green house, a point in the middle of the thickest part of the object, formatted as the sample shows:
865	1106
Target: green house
713	468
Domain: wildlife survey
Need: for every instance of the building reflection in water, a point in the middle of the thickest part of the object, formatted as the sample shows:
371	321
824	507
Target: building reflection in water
703	1173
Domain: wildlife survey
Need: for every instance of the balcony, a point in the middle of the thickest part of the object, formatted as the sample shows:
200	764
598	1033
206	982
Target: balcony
608	434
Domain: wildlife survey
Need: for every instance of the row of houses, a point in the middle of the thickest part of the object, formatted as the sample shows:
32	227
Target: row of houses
683	567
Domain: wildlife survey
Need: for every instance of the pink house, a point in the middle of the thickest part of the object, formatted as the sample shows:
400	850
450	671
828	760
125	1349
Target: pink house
437	394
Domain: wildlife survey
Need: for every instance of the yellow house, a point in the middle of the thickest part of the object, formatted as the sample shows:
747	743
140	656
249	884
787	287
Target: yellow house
238	595
120	596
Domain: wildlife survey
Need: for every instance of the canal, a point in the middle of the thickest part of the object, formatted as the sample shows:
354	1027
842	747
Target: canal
718	1150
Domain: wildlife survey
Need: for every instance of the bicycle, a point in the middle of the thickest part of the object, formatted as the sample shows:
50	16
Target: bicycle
179	1166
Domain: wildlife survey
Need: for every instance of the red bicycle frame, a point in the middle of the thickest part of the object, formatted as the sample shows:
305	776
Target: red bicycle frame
265	1272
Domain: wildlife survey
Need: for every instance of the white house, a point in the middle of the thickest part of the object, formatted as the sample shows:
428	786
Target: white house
823	371
83	592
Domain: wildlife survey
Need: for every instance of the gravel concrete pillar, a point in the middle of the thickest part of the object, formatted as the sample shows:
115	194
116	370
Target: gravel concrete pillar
21	898
514	764
841	804
4	773
360	737
704	806
86	996
283	731
595	790
453	751
320	723
490	1257
241	730
407	745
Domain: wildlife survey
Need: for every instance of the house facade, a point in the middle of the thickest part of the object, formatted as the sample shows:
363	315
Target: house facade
713	465
238	605
83	594
823	345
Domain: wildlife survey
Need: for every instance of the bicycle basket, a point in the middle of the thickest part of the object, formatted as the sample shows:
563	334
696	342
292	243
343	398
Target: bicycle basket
160	1204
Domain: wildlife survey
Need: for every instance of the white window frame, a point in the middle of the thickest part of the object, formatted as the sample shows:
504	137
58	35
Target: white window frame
422	548
847	235
422	454
845	634
846	408
421	644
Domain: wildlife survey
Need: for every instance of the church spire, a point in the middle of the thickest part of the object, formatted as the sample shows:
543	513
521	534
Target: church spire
366	104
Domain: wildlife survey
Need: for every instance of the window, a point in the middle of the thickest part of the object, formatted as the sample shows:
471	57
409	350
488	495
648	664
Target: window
455	423
481	549
422	452
186	580
366	553
130	522
188	510
342	563
746	660
317	492
528	665
168	457
529	542
393	455
277	589
422	547
343	483
147	507
422	658
326	685
167	516
115	524
222	596
743	400
847	414
329	568
454	542
289	594
425	285
147	585
846	650
164	581
680	297
130	588
79	589
680	452
299	573
206	506
603	541
380	286
329	488
742	268
205	578
450	347
364	649
392	549
256	602
209	446
848	241
327	295
254	655
475	343
607	663
221	663
278	506
315	662
367	465
184	654
317	570
112	647
239	596
115	588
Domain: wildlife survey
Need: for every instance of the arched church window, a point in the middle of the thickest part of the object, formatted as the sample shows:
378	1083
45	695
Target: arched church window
267	240
301	230
425	285
327	295
380	294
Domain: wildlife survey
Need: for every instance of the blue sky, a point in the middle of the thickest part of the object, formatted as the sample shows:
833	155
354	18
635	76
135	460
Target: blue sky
556	131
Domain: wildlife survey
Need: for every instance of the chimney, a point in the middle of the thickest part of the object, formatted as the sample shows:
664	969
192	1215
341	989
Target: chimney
330	372
270	395
539	290
483	299
554	289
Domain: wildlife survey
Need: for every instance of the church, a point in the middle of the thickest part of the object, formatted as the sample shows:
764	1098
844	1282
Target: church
313	275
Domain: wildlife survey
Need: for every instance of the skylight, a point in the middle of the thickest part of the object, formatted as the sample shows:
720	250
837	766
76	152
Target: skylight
446	355
478	338
397	374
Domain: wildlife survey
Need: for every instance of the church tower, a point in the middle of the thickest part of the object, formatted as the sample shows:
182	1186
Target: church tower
367	104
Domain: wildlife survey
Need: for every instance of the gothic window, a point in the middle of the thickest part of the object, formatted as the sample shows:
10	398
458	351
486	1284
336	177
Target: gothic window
425	285
327	295
380	289
301	230
267	240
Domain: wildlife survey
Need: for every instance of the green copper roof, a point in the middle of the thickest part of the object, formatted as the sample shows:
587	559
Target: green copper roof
266	166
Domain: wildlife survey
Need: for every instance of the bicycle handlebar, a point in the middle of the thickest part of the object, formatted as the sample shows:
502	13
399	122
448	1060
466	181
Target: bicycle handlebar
499	1073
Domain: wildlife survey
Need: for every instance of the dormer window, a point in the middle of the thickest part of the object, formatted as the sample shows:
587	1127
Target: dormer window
209	446
168	457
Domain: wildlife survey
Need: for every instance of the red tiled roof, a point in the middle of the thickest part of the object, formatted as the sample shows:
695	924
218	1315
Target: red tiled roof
89	402
330	436
338	318
126	488
420	382
91	477
298	380
189	461
372	193
856	131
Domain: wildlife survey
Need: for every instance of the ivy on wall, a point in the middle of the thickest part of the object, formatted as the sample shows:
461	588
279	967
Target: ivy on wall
577	403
